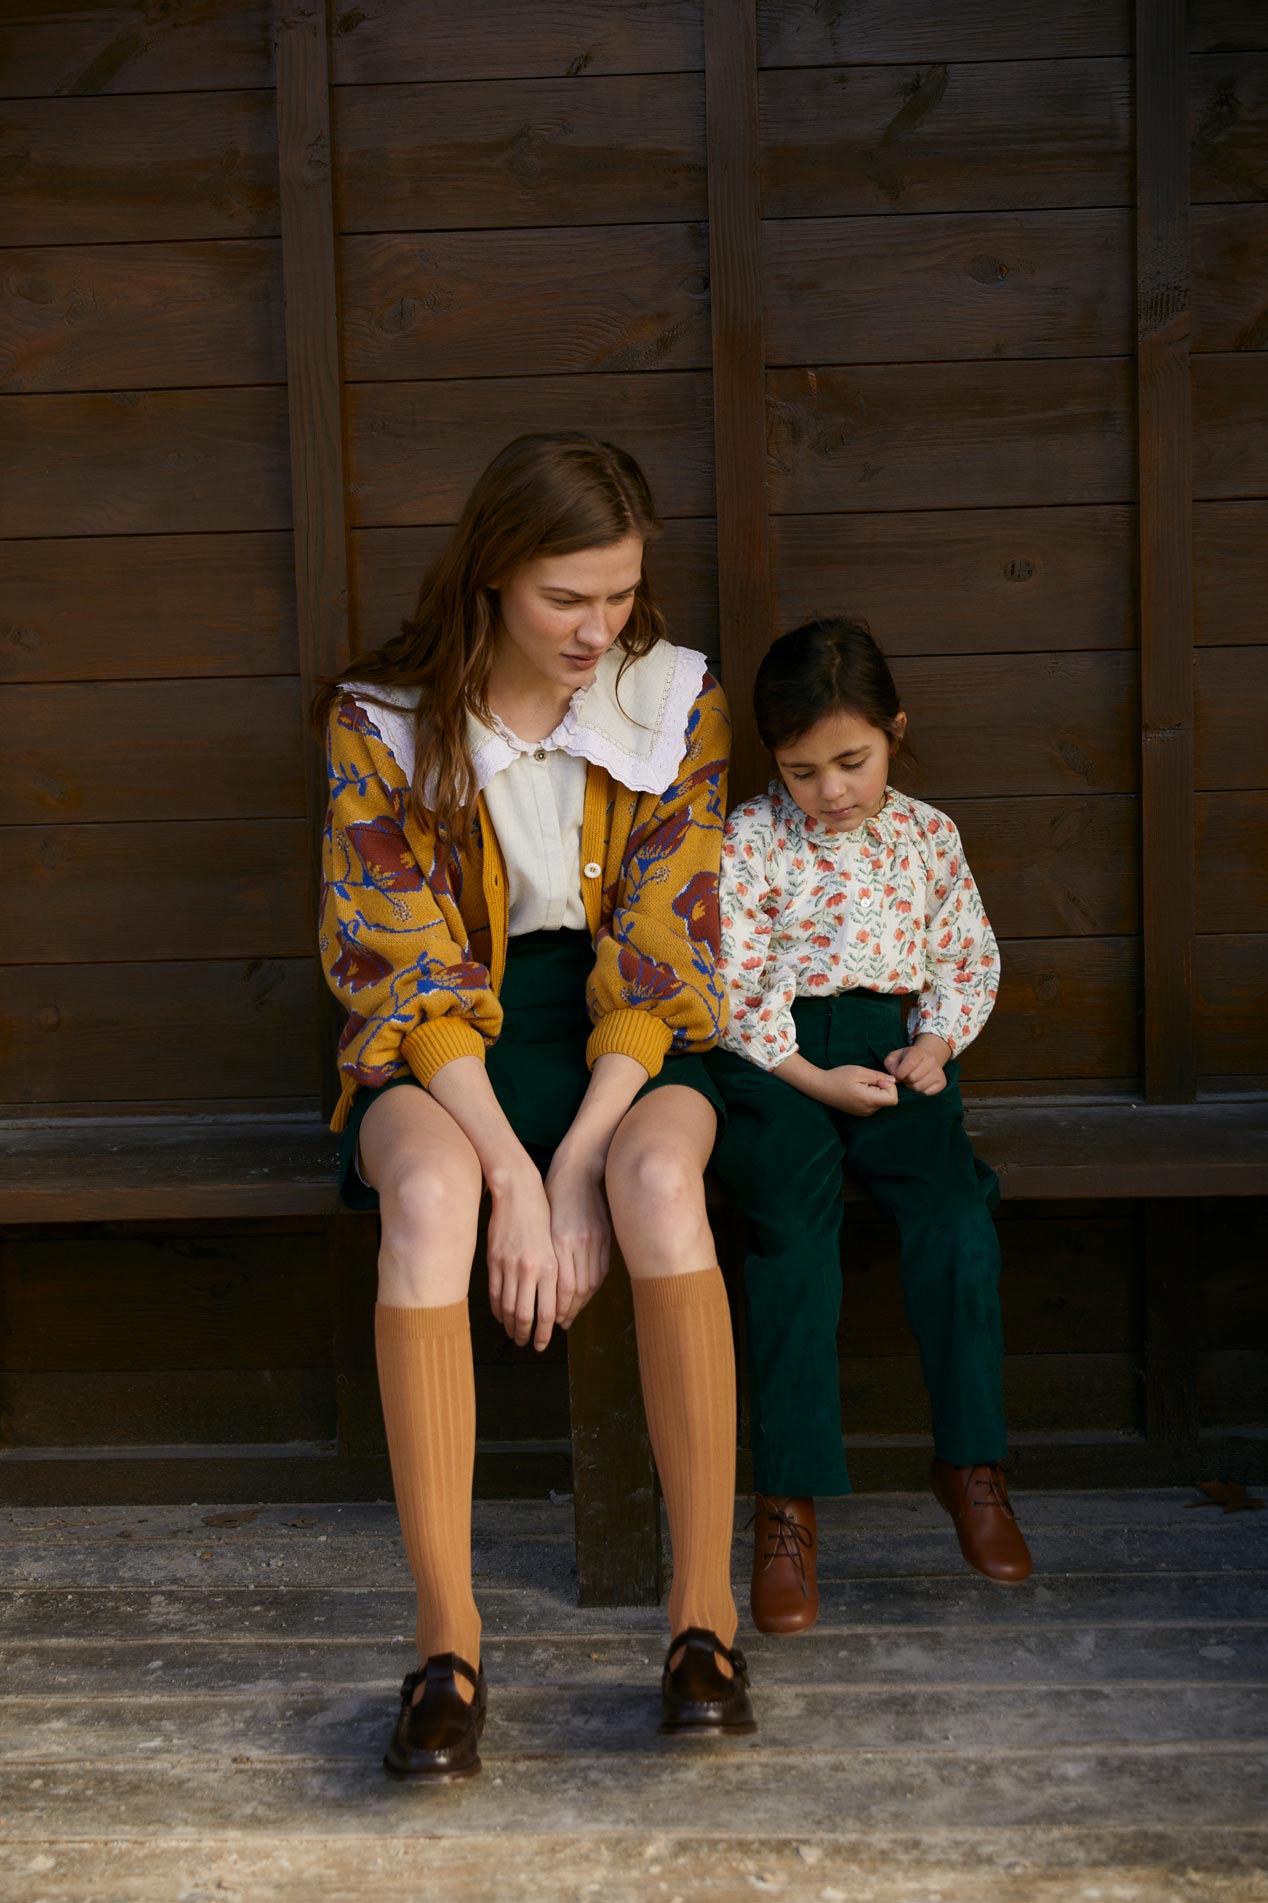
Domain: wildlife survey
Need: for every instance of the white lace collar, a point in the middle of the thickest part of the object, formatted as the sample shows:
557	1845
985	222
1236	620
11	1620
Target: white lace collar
640	739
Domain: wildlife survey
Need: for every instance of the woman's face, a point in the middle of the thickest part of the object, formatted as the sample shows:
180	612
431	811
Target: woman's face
561	613
837	770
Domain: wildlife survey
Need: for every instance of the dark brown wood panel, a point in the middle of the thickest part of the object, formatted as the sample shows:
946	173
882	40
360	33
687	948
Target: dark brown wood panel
141	317
204	888
183	1296
1233	1386
623	297
1067	1008
1043	1392
525	152
1232	861
1051	866
1232	692
415	449
1234	1306
131	607
835	32
168	1406
965	581
1217	26
980	284
931	435
1228	115
1230	440
88	171
137	463
502	39
1005	135
123	750
1023	724
129	46
388	565
1230	277
117	1034
1231	1005
1229	539
1067	1284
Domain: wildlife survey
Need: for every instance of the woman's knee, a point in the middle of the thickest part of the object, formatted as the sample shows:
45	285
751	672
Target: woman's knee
653	1177
430	1202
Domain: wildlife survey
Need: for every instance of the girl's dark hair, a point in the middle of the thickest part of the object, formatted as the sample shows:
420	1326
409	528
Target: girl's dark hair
830	666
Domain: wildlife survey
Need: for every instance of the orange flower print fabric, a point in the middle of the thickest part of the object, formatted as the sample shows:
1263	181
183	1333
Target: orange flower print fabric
808	913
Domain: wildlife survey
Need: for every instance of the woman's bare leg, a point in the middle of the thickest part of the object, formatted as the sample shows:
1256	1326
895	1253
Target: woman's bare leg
429	1184
686	1355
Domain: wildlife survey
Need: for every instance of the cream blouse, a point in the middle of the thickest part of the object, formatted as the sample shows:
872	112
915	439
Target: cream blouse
808	913
535	790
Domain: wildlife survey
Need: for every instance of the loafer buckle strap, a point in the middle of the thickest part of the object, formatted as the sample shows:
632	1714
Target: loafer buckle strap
701	1635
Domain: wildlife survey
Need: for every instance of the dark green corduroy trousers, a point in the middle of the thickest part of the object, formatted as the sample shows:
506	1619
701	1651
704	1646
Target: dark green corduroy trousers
780	1156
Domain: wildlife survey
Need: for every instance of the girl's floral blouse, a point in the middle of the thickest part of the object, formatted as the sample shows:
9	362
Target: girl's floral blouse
890	907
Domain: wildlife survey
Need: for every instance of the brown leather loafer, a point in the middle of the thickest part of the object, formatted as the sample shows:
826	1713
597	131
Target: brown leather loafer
985	1523
696	1697
439	1735
784	1593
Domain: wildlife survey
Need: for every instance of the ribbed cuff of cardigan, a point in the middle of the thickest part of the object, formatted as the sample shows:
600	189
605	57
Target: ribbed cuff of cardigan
636	1034
430	1046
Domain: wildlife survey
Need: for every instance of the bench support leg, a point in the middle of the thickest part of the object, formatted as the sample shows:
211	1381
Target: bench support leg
1173	1297
613	1476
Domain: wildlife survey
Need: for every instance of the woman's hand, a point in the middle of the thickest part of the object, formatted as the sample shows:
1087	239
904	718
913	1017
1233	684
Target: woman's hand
921	1065
580	1228
857	1091
523	1269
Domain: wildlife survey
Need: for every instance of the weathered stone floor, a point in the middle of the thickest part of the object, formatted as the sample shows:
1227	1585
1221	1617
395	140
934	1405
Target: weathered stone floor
192	1713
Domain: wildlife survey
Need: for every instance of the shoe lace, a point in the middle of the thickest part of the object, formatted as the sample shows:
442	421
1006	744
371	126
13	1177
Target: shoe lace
785	1538
990	1475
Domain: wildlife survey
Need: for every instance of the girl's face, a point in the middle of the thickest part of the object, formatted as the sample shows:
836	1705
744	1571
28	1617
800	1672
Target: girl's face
837	770
561	613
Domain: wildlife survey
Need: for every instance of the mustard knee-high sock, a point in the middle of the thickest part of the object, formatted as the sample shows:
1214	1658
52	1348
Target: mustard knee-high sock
687	1363
427	1384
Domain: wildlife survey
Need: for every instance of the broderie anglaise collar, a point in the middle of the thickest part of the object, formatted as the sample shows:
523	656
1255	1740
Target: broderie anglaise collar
640	739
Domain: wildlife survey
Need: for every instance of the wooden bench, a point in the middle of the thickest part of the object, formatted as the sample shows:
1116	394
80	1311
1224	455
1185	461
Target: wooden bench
158	1169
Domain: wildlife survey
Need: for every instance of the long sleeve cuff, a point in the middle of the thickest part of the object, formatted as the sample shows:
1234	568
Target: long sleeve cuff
636	1034
437	1042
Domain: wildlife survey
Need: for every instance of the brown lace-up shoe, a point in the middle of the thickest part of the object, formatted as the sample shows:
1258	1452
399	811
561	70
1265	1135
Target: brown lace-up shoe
696	1697
439	1736
784	1596
985	1524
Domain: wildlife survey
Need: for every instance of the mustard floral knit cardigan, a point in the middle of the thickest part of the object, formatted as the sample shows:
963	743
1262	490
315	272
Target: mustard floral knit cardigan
413	932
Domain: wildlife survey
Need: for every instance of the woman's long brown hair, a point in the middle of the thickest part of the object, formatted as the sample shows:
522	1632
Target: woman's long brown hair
543	495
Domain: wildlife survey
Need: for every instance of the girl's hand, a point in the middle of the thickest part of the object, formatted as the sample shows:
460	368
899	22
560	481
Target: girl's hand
523	1270
580	1228
857	1091
920	1065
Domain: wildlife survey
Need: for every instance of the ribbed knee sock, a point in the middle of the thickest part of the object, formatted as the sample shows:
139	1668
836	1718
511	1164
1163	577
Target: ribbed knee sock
687	1363
427	1384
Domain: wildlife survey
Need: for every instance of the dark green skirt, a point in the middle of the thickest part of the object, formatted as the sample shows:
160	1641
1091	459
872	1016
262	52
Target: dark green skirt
538	1065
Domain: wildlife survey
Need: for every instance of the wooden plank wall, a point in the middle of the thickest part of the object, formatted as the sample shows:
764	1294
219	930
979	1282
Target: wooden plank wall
152	814
907	237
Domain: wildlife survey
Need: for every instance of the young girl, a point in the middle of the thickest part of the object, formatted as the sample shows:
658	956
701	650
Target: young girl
858	963
519	912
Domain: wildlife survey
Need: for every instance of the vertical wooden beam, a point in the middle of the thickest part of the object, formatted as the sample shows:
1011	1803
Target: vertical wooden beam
1166	549
613	1476
739	369
314	401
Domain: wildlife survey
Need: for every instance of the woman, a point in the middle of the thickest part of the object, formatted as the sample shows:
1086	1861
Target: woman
519	911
